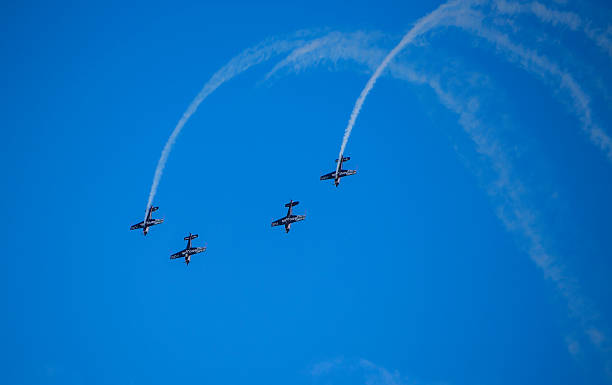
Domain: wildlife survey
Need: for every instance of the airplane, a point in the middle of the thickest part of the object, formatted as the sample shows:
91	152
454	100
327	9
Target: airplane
144	225
188	251
340	173
290	218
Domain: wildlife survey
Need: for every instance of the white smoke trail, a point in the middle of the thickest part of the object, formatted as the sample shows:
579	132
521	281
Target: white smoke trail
507	191
543	67
424	24
242	62
571	20
460	14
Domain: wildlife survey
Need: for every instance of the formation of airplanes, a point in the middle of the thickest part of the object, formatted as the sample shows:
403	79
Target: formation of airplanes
286	221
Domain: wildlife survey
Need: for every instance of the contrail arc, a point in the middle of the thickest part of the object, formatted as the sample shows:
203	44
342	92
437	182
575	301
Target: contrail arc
242	62
461	15
507	192
422	25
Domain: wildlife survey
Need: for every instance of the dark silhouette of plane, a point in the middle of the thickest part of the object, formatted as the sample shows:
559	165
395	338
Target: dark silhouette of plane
144	225
340	173
290	218
188	251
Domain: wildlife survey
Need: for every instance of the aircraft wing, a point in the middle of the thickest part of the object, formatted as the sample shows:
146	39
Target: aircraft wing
180	254
277	222
197	250
297	218
153	222
331	175
137	226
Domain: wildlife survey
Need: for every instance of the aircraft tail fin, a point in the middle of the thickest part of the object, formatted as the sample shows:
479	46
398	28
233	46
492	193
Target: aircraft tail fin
191	236
344	159
292	203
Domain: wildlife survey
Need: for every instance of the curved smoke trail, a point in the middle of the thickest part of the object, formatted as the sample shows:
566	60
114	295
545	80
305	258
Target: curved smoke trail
507	192
455	13
452	14
422	25
461	15
245	60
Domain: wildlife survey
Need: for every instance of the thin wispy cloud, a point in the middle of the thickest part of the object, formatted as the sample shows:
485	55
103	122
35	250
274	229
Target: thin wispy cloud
324	367
361	371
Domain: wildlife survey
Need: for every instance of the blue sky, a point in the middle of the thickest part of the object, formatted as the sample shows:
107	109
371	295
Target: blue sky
473	246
